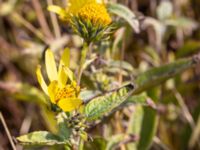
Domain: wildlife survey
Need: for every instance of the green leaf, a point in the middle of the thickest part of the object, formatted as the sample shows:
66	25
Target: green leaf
140	99
114	141
149	122
157	75
143	123
64	131
88	94
88	62
41	138
182	23
190	47
125	13
49	118
96	143
148	129
135	125
123	64
101	105
29	93
115	67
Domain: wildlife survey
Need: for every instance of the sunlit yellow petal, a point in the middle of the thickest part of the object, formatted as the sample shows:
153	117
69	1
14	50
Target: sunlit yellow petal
58	10
69	73
51	65
69	104
62	77
41	80
65	60
52	90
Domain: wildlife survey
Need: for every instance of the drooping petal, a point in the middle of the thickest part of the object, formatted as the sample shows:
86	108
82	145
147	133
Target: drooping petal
69	104
69	73
51	65
52	90
65	60
58	10
41	80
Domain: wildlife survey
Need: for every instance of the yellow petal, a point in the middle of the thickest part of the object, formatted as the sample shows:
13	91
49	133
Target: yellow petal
51	65
52	89
69	73
69	104
58	10
62	77
41	80
65	60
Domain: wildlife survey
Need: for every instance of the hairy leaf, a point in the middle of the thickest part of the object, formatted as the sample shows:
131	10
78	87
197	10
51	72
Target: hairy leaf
148	128
143	123
135	124
140	99
157	75
104	104
41	138
125	13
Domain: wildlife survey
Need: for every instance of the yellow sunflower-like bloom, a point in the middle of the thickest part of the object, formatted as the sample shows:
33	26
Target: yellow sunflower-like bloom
88	10
62	89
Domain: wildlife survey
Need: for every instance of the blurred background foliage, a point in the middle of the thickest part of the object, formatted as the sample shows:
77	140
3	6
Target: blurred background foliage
169	31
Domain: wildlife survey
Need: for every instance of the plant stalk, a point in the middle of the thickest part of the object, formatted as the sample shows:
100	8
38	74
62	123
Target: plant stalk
84	52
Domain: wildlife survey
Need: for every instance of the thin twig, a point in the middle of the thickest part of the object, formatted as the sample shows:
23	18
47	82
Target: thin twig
195	140
15	16
130	138
160	143
41	19
7	131
184	108
54	21
9	87
26	124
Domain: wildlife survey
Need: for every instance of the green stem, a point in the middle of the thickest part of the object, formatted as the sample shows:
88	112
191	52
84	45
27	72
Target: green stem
81	144
67	147
83	59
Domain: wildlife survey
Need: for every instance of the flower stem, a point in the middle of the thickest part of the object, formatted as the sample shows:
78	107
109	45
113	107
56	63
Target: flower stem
83	59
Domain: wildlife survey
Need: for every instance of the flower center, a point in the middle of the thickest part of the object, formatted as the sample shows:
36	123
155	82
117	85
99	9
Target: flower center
70	91
96	13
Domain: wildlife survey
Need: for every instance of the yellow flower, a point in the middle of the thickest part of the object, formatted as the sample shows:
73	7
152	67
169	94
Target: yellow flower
96	13
62	89
88	10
